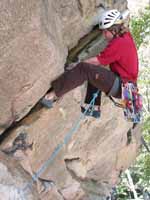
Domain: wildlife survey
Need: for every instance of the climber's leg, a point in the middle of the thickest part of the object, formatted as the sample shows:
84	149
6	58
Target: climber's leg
89	95
88	98
98	76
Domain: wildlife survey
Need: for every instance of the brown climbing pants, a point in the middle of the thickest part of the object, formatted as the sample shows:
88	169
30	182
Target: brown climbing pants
98	78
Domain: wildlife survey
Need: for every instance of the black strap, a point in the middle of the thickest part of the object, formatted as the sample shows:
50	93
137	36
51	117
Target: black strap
116	103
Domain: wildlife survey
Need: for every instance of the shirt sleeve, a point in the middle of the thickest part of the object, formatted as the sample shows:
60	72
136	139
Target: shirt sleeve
109	55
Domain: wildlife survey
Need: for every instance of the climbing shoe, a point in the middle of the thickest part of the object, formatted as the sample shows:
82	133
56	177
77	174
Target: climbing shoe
93	113
47	103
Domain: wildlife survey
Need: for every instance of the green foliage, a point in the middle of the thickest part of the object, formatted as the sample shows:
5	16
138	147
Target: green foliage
141	170
140	26
123	192
146	128
147	169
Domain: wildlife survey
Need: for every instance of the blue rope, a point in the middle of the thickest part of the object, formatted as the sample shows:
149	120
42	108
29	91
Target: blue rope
60	146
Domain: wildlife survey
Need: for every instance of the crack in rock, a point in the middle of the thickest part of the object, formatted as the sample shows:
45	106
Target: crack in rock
19	143
90	185
47	185
80	7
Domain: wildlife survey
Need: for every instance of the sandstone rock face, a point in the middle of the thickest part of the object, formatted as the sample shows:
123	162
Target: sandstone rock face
12	181
93	158
29	54
35	37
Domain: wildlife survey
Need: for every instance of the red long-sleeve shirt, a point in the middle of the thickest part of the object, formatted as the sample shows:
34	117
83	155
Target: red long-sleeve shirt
121	56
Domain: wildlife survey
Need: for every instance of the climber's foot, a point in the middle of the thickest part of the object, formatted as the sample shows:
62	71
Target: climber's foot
49	99
96	113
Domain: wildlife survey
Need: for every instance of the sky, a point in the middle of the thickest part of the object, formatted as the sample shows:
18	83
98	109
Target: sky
135	5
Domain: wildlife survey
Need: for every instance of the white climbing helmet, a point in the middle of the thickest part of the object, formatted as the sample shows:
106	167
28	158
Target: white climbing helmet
111	17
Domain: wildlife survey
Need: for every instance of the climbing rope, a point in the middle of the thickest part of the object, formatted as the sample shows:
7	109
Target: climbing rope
67	138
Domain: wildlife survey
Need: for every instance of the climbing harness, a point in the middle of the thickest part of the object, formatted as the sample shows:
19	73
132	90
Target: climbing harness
59	146
131	102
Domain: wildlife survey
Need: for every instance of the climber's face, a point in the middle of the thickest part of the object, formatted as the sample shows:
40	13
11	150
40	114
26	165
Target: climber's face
107	34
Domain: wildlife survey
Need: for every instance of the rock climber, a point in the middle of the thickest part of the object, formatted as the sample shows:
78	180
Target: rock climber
120	56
